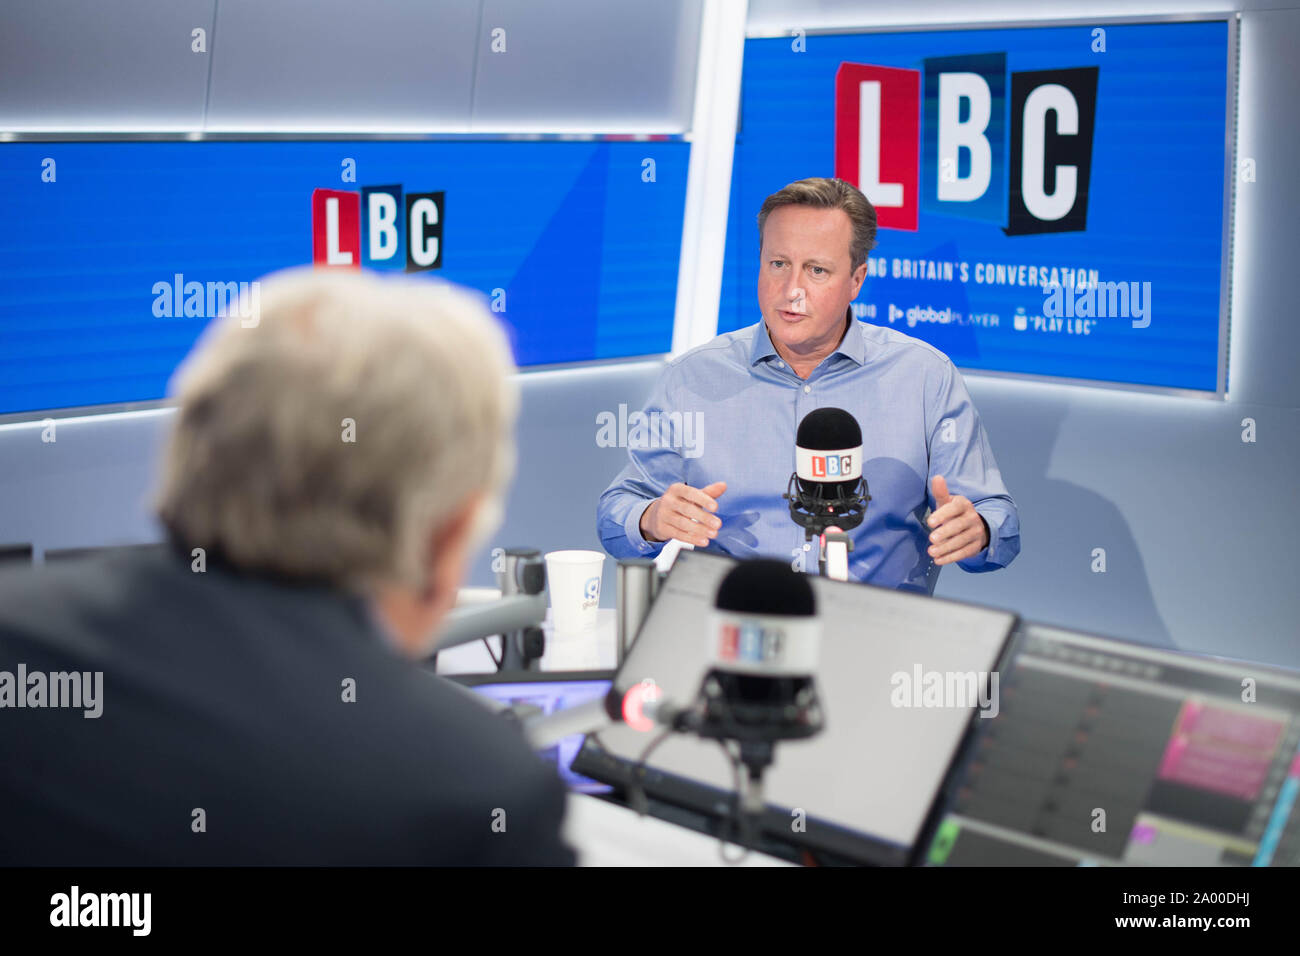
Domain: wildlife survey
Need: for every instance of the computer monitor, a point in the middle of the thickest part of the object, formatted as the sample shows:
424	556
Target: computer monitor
549	692
1106	752
866	787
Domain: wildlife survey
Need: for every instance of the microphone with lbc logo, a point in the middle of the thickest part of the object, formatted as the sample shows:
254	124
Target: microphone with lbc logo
760	686
827	491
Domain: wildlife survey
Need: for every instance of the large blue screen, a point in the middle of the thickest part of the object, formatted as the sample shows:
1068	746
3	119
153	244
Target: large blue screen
576	243
1051	200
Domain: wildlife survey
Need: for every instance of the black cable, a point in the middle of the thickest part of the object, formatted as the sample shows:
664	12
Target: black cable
636	796
637	799
740	818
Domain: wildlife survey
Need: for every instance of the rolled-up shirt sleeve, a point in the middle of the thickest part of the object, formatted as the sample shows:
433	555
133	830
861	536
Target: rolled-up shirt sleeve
651	467
960	452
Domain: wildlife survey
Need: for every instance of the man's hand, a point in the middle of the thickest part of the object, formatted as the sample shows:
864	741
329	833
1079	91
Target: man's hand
958	530
684	512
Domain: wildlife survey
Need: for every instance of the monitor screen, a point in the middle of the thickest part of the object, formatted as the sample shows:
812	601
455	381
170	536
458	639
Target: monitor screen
865	786
551	696
123	259
1110	753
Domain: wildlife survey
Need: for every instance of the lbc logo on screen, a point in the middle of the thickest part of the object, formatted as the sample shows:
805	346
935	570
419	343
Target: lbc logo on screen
378	228
955	159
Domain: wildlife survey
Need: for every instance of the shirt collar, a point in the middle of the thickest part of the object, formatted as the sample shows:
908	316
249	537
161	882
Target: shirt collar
853	346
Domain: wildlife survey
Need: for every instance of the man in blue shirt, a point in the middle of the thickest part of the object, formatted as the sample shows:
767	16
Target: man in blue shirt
713	451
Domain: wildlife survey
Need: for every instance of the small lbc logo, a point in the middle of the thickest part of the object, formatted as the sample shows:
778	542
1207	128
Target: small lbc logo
831	466
591	593
750	642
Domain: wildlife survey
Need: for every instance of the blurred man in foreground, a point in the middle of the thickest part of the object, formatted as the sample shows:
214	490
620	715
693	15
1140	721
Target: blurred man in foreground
329	470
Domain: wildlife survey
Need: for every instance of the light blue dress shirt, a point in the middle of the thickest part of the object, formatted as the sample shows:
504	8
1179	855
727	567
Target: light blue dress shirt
728	411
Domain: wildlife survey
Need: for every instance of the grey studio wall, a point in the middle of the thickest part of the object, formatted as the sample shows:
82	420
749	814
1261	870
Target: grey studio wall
1198	526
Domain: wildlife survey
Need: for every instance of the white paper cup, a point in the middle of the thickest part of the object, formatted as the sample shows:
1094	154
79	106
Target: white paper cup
573	579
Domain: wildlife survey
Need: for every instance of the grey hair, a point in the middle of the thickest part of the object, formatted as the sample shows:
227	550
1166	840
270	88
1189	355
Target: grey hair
259	469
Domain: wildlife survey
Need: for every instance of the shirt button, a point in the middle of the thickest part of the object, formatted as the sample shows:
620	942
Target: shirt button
807	389
780	365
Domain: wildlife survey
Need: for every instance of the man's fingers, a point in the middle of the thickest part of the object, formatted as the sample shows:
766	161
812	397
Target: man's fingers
939	486
694	508
955	543
687	513
686	529
958	531
954	558
956	549
956	526
703	519
695	517
700	497
951	510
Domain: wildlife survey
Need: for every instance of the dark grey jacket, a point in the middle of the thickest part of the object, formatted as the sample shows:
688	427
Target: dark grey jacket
225	738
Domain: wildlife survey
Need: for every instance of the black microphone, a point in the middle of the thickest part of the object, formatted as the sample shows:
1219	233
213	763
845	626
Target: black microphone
760	688
766	633
764	638
827	489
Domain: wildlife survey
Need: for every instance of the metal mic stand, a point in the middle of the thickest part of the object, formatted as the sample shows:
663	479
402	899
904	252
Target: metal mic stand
829	521
833	554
